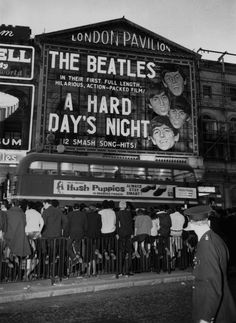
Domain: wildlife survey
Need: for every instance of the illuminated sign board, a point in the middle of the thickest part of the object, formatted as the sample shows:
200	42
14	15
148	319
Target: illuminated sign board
16	62
186	192
206	189
11	156
95	100
16	113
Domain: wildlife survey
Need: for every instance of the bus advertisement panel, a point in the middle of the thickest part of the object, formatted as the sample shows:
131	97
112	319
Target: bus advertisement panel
122	190
118	189
118	101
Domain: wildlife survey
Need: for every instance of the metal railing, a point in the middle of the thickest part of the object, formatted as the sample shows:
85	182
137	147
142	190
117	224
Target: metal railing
51	258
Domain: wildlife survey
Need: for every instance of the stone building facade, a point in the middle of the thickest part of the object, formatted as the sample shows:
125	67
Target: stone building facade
217	127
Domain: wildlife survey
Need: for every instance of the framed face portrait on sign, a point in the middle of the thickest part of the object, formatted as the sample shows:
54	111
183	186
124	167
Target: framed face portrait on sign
164	135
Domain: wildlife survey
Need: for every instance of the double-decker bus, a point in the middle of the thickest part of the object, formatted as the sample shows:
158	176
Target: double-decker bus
73	178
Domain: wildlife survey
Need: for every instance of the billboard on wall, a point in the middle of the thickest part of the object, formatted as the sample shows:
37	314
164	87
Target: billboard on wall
16	62
118	101
16	113
14	34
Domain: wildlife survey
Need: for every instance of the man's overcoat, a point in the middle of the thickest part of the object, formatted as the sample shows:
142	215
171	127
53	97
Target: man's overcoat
211	294
15	235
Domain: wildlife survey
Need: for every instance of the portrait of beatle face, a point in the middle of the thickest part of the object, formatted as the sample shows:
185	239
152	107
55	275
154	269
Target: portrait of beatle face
158	99
173	78
180	111
163	134
168	108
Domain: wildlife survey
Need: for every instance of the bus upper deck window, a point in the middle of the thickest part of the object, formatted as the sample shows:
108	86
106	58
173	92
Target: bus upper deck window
117	173
184	175
107	171
50	168
66	169
140	173
161	174
43	167
74	169
110	171
36	168
97	171
133	172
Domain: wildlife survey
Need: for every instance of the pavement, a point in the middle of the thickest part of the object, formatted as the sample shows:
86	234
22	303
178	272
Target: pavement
19	291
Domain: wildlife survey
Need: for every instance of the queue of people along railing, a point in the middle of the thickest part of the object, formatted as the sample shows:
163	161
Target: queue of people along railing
50	259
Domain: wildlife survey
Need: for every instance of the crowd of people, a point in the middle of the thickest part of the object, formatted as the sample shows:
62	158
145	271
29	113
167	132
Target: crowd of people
136	231
107	228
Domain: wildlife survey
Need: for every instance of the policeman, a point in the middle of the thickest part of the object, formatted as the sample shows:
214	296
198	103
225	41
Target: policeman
212	299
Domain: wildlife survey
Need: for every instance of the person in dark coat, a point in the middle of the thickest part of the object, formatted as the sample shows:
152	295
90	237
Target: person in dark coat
3	219
94	222
15	236
93	234
212	299
165	224
55	220
125	231
76	231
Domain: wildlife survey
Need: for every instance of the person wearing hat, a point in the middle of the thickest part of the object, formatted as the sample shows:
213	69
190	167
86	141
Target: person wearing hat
212	299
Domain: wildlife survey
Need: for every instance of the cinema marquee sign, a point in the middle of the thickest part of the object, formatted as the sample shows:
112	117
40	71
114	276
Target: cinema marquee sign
121	38
94	100
16	62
